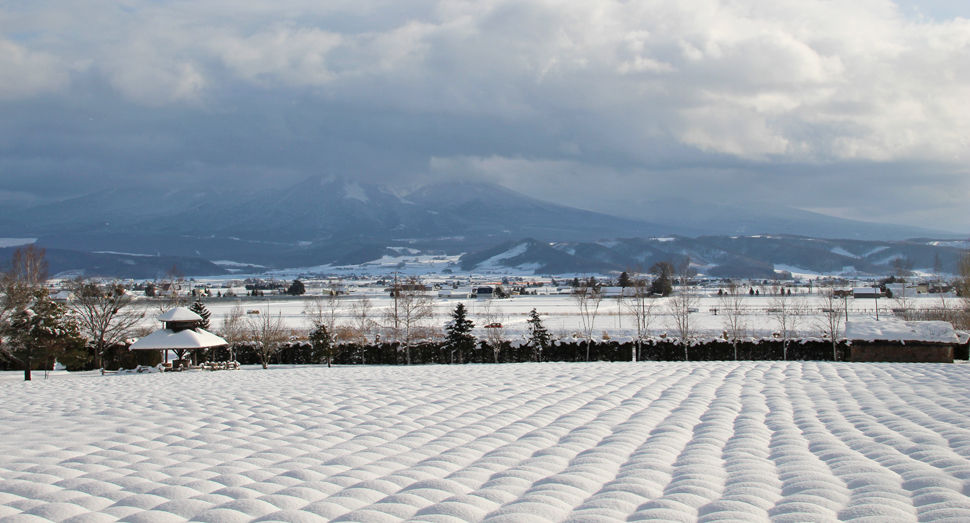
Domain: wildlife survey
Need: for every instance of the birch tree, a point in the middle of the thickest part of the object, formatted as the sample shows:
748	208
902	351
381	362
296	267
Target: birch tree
734	313
831	317
410	310
360	311
640	305
786	311
680	306
233	329
588	298
494	324
902	269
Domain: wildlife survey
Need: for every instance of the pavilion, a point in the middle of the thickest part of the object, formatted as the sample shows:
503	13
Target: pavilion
180	333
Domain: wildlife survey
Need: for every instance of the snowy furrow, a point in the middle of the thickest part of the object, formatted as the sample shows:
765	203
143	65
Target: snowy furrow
600	442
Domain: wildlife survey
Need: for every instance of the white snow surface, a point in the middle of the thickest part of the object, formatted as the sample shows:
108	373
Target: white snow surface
494	261
843	252
185	339
870	329
600	442
16	242
355	191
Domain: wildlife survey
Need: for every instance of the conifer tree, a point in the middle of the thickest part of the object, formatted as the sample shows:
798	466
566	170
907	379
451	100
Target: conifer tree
297	288
625	280
459	330
42	330
321	343
199	308
538	335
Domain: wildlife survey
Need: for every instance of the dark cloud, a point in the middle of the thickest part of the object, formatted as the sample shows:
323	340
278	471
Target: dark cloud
856	109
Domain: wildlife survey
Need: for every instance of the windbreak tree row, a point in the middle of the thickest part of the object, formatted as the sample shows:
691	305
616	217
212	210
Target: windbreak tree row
507	352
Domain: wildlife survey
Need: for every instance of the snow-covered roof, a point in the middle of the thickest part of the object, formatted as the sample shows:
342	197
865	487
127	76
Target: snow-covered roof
179	314
163	339
868	329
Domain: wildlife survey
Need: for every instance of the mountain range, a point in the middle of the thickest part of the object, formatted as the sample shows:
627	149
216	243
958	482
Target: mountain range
332	220
757	257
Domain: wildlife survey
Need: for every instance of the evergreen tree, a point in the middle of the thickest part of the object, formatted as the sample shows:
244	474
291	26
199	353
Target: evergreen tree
42	330
625	280
538	335
663	284
321	345
296	288
459	329
199	308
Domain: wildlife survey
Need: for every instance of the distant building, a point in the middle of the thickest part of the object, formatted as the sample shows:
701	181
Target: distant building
867	292
893	340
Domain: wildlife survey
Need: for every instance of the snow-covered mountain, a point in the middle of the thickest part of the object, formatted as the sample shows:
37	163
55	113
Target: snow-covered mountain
319	220
720	256
766	217
329	219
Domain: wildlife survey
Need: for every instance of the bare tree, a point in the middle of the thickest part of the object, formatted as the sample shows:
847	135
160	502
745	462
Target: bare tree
267	333
588	298
786	311
494	324
175	280
29	266
640	305
323	310
902	269
734	312
938	275
360	311
105	314
831	317
680	306
963	290
233	329
405	319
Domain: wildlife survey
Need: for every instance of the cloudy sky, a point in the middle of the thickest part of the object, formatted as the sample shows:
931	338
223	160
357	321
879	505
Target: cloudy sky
856	108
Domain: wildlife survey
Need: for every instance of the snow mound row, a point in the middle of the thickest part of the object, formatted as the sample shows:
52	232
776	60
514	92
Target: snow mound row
713	441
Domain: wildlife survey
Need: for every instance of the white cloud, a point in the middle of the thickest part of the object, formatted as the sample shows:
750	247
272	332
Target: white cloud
26	73
746	78
294	56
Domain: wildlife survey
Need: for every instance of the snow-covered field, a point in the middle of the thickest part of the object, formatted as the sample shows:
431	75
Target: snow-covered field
716	441
560	313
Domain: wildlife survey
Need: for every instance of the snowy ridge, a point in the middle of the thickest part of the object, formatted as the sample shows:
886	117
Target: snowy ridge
495	261
750	441
16	242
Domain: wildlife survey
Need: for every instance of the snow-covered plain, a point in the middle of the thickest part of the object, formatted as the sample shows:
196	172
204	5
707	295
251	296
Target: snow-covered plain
560	313
716	441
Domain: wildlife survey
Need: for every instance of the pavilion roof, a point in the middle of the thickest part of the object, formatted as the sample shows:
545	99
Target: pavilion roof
164	339
178	314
